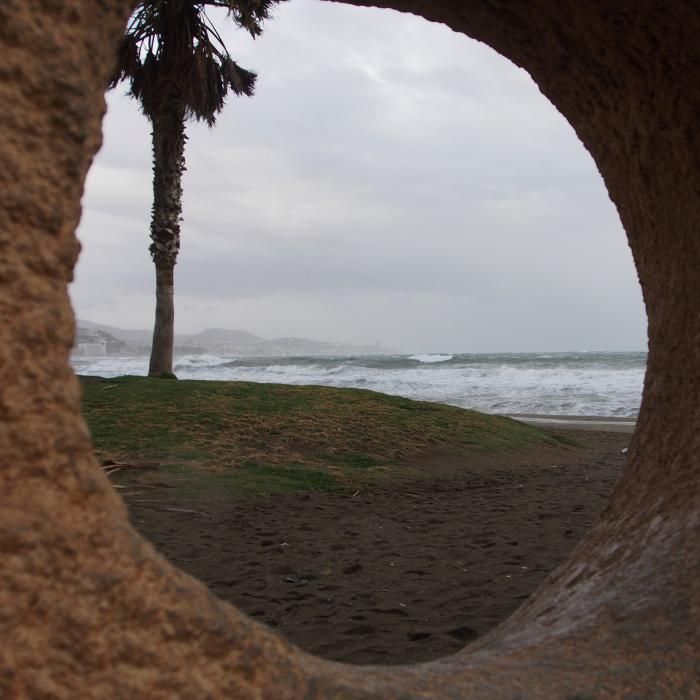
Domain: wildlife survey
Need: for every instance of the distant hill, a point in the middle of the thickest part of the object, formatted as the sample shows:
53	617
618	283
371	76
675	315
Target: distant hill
95	341
135	338
100	339
207	338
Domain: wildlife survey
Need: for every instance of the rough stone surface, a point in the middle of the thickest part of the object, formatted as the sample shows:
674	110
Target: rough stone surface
89	610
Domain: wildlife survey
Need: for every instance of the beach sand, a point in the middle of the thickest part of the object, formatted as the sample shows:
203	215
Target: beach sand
395	574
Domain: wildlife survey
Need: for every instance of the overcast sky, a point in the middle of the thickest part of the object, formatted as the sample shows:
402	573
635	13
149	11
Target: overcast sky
390	180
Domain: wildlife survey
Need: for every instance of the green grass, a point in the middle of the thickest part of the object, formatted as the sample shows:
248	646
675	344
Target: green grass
271	478
270	437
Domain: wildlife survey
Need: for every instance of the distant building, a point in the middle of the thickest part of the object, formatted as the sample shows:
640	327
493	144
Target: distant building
94	342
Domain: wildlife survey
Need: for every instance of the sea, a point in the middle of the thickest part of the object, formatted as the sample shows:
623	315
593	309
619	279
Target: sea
559	383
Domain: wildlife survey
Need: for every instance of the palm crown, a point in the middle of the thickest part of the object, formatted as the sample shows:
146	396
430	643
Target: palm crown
175	58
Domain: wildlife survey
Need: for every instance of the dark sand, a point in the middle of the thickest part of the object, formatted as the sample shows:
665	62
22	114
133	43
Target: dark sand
395	574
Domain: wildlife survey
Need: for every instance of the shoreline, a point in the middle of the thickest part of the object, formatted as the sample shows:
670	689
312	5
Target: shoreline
601	423
624	424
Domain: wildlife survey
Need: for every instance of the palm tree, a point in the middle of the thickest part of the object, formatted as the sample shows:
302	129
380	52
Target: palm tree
179	69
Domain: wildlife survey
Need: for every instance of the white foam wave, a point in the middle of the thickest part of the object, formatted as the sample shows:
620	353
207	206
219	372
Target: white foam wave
199	361
110	366
493	387
429	359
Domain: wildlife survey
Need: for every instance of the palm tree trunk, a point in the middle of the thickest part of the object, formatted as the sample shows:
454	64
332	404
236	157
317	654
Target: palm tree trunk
161	363
168	166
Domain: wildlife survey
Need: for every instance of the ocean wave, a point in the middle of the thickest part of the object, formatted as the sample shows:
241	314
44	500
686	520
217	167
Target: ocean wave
605	384
187	361
429	359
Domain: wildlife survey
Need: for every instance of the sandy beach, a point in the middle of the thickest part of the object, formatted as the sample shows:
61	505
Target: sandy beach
395	573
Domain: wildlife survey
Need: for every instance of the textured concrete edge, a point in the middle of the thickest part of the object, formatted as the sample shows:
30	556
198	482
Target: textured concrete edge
92	611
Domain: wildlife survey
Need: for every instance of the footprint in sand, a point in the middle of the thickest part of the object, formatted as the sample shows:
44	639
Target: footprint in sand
360	629
419	636
464	634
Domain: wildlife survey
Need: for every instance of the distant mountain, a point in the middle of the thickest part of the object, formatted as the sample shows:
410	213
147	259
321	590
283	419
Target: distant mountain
135	338
99	339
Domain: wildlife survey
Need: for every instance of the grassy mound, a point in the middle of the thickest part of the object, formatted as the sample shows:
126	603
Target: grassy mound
272	437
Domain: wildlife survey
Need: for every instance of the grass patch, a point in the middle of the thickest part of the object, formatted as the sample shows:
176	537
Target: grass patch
272	478
280	437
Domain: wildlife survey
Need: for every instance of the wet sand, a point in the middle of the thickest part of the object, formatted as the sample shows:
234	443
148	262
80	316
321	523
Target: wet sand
399	573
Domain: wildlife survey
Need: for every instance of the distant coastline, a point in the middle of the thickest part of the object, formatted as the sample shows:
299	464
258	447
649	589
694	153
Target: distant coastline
98	340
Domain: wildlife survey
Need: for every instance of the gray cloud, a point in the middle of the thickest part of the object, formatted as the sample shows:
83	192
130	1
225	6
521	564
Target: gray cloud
389	179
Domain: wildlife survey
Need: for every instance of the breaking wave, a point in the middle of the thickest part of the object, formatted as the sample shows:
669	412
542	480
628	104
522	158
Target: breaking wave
430	359
590	383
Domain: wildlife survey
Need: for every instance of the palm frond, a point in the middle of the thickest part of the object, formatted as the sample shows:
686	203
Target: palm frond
175	58
248	14
128	61
240	80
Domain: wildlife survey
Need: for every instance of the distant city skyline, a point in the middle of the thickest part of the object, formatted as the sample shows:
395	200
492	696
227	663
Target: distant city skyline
390	180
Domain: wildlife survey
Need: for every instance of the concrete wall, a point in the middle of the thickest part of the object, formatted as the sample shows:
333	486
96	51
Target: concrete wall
89	610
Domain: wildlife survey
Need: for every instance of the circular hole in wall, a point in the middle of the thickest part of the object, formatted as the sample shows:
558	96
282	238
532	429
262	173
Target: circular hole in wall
371	213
